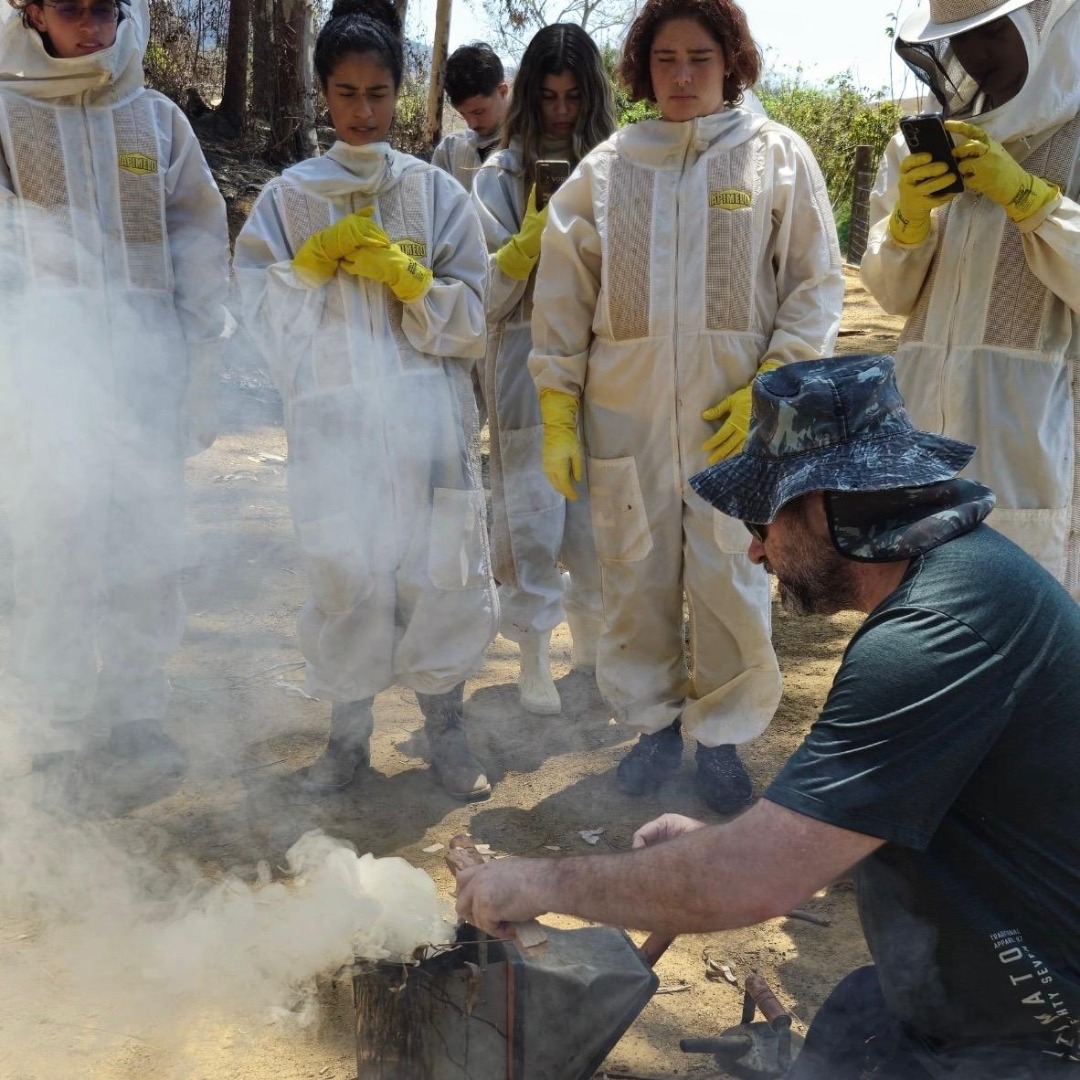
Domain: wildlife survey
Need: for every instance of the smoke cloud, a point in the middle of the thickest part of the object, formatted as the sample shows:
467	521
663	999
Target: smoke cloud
105	932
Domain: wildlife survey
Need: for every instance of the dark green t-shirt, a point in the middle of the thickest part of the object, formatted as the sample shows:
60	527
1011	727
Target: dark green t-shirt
952	732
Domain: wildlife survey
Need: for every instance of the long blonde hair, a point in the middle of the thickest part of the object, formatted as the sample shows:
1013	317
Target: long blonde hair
555	49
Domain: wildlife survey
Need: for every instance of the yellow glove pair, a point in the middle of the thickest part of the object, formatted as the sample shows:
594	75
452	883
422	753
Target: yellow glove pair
734	411
360	247
561	455
517	257
987	169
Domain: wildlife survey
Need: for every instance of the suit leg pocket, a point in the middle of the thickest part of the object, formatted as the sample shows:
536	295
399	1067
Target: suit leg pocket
336	566
457	552
730	534
620	523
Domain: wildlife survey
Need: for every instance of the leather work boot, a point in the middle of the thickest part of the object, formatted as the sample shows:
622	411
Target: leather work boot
536	689
651	761
460	774
723	783
347	751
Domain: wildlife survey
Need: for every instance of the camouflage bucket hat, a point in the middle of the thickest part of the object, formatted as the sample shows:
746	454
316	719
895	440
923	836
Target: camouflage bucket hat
827	425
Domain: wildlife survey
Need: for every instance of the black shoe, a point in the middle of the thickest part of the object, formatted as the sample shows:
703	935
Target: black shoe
651	761
723	783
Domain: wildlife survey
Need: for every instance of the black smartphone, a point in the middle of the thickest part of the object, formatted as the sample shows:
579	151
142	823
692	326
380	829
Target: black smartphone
926	134
549	177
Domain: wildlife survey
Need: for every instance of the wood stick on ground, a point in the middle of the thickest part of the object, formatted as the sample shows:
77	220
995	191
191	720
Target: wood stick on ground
810	917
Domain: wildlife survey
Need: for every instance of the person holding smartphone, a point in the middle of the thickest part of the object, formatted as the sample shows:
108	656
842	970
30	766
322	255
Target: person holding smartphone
989	278
561	107
684	255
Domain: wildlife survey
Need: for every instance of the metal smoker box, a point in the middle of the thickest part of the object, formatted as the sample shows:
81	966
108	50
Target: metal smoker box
486	1009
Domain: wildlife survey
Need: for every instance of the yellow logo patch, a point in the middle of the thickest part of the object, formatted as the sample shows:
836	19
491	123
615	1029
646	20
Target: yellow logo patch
415	249
730	199
139	164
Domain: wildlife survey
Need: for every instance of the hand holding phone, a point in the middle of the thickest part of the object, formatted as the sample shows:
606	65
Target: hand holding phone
924	184
926	134
550	175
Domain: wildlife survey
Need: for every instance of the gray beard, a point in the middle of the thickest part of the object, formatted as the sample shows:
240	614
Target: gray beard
823	584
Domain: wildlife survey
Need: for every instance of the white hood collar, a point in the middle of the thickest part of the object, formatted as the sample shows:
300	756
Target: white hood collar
1050	96
364	170
27	69
665	144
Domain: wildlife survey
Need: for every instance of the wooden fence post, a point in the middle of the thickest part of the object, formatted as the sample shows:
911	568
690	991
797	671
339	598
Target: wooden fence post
865	168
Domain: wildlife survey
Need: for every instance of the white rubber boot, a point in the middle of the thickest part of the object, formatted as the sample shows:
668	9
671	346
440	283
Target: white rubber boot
585	629
536	689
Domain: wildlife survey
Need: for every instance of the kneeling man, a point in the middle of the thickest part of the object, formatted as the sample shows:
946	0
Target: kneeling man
942	767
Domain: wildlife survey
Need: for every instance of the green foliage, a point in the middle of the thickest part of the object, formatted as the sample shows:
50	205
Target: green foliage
626	111
409	116
834	119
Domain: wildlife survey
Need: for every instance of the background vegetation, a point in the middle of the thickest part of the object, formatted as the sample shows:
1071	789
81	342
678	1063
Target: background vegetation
189	60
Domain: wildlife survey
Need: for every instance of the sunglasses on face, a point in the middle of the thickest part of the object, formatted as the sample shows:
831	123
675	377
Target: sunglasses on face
758	532
73	13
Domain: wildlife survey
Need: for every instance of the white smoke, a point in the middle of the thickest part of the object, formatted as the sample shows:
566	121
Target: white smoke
136	941
102	930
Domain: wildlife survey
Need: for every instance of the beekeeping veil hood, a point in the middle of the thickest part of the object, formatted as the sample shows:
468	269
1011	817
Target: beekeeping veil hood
27	68
1050	94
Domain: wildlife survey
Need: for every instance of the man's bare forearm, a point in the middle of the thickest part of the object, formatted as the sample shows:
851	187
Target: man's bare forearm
763	864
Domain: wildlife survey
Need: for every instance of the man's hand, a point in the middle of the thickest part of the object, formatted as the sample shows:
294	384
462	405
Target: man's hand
665	827
498	893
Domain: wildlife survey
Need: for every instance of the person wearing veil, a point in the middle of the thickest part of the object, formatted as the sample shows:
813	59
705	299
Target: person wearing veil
989	279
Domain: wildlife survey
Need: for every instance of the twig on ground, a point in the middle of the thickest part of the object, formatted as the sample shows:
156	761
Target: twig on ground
810	917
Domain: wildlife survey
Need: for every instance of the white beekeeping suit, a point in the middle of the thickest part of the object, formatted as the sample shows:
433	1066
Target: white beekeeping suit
384	464
534	527
989	353
462	153
676	259
113	268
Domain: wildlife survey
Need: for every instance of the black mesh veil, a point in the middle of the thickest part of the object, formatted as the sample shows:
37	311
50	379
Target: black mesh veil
936	64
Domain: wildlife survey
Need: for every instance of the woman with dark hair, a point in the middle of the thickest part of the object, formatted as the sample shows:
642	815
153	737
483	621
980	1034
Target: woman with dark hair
685	255
560	109
362	273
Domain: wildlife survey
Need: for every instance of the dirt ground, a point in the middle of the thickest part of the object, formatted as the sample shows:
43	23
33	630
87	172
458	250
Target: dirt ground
237	706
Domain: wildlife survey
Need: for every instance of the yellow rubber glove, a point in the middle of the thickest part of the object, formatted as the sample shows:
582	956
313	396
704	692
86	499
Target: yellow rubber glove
990	170
317	260
406	278
734	410
517	257
561	458
921	180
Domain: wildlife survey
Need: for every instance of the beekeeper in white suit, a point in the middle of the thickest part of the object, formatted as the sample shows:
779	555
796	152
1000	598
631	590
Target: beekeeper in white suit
683	256
560	109
990	279
115	263
363	274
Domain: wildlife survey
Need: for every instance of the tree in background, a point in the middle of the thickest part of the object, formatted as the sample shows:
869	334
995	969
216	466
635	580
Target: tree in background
514	22
292	98
234	94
